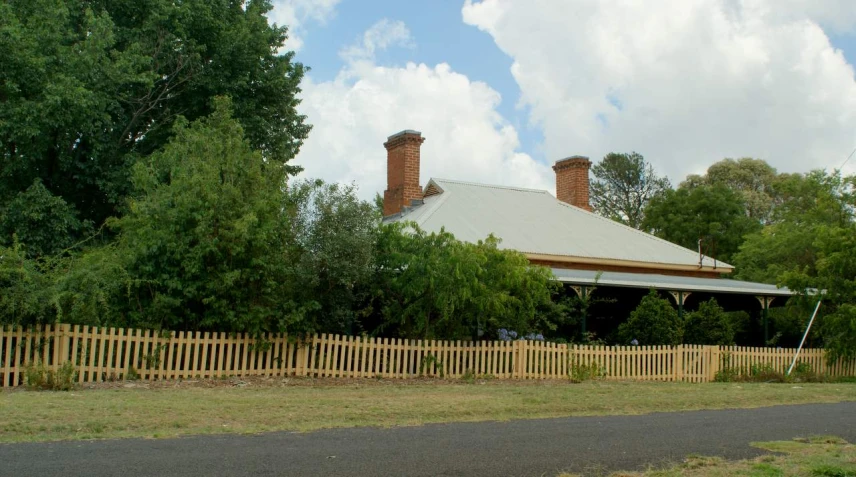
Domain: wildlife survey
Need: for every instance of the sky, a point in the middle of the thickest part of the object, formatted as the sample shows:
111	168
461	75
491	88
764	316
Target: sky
501	89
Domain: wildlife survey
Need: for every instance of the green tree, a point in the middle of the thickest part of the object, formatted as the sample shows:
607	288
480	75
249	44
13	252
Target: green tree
43	221
753	179
207	236
810	245
623	185
654	322
713	214
835	272
430	285
807	203
24	288
709	325
333	256
91	288
93	86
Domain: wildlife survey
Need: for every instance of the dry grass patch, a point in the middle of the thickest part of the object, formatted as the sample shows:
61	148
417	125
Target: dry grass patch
170	409
823	456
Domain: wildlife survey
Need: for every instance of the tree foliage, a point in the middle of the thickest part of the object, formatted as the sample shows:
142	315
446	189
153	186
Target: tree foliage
709	325
93	86
713	214
836	274
808	203
23	288
207	234
654	322
753	179
333	253
810	245
623	185
431	285
43	221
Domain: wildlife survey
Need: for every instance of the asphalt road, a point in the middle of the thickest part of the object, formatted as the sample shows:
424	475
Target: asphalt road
526	447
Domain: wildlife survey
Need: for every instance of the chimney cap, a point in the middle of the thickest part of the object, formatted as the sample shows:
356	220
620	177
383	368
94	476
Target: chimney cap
572	162
404	133
573	158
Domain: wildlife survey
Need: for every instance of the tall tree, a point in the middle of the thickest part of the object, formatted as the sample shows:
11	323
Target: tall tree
331	265
806	203
753	179
713	214
207	236
623	185
810	245
87	87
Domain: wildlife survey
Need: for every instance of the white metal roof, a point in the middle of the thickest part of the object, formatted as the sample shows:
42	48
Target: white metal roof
535	222
667	282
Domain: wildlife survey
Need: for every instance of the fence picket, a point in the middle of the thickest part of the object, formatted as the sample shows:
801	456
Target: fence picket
6	341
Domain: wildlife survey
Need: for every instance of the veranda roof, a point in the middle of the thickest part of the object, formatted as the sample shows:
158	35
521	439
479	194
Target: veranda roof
667	282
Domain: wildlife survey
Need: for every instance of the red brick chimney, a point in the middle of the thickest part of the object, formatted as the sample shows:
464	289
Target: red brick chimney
402	171
572	181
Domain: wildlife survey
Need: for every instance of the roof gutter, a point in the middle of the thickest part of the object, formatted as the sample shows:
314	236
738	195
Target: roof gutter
627	263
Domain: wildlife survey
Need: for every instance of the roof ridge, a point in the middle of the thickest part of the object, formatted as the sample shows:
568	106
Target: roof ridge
644	234
491	186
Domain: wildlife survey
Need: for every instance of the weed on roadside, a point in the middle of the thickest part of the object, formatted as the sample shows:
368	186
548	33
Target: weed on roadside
38	377
579	372
767	373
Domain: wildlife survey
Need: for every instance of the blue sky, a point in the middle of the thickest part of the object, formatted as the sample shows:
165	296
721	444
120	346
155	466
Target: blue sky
440	36
484	52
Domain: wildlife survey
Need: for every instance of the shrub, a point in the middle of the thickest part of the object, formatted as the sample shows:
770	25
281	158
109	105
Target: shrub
804	373
653	322
579	372
132	374
766	373
427	362
727	373
37	376
708	326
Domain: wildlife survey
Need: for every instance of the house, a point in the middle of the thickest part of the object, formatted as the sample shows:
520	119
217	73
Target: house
583	249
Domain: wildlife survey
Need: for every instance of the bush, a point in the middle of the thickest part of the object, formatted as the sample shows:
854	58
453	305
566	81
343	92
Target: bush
653	322
37	376
766	373
708	326
579	372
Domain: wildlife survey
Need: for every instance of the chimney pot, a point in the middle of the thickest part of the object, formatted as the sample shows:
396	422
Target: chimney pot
572	181
402	171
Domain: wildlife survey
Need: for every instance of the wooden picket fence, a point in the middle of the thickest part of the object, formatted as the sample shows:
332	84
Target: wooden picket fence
103	354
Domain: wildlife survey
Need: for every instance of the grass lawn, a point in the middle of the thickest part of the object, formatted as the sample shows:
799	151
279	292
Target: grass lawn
169	409
816	456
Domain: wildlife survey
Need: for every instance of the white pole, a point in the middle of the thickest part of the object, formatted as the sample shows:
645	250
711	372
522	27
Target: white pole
803	338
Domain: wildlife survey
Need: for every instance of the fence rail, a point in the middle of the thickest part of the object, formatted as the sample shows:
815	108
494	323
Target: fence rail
101	354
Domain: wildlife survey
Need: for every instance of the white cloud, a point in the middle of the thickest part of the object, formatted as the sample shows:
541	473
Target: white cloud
684	82
380	36
354	114
295	13
836	15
